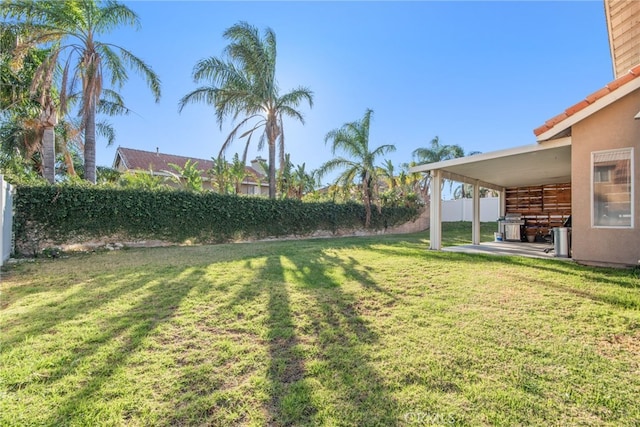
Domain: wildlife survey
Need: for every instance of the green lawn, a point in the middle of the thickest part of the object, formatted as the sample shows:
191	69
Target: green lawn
350	331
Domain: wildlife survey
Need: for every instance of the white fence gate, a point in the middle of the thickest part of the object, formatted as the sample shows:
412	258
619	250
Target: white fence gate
462	209
6	220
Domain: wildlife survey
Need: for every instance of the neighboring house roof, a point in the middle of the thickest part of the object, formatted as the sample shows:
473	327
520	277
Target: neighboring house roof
559	126
132	159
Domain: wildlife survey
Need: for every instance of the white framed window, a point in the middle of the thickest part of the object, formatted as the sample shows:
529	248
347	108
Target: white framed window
612	188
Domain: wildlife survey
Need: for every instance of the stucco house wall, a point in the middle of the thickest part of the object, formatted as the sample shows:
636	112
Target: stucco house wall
613	127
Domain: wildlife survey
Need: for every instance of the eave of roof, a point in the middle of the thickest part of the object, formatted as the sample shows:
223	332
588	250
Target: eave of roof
612	51
121	157
588	106
544	163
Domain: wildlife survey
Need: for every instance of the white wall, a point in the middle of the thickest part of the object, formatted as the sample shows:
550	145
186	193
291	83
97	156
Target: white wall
462	209
6	220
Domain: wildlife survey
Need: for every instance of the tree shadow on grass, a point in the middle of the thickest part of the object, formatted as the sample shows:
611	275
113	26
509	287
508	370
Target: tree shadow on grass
290	396
323	327
93	357
612	280
52	312
612	286
129	330
358	393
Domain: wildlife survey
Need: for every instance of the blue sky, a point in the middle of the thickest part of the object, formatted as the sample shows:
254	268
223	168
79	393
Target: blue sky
479	74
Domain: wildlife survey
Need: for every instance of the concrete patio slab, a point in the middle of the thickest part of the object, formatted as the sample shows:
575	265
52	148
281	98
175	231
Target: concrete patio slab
530	250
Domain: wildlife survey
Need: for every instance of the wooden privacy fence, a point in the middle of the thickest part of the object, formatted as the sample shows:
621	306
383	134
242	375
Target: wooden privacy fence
542	207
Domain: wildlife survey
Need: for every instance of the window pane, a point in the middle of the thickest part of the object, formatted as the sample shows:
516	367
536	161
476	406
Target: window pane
612	189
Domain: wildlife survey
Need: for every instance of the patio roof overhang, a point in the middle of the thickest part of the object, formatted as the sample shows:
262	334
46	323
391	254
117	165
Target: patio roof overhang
547	162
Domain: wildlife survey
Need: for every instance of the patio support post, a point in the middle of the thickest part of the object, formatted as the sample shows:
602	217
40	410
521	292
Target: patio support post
502	197
475	227
435	226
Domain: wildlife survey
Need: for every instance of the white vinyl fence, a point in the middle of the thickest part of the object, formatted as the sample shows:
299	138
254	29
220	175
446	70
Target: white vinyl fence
462	209
6	220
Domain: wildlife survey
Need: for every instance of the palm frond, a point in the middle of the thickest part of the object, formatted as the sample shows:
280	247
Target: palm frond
152	79
259	124
335	163
112	108
235	130
217	71
295	97
262	141
106	130
206	94
383	149
113	15
114	64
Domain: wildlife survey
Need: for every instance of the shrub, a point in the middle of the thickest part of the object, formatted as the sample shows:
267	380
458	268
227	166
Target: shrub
64	214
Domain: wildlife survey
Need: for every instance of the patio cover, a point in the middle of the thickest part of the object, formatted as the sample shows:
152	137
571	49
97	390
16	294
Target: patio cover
547	162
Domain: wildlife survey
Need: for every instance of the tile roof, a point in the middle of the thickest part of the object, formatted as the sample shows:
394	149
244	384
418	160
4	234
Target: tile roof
133	159
631	75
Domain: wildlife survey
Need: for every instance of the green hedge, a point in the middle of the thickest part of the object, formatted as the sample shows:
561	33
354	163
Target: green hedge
62	214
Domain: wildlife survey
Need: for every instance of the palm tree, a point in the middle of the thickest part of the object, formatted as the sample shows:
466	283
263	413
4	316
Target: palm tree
143	180
387	171
303	181
435	152
26	96
285	176
219	174
107	175
237	173
49	120
465	191
74	25
294	181
353	139
16	71
188	177
243	83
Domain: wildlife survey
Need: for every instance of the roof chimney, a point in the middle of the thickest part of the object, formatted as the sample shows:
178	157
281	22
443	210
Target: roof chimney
158	151
258	164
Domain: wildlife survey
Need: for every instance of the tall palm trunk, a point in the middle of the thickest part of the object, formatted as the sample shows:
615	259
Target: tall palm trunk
49	119
273	132
272	170
90	144
367	200
49	154
281	153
